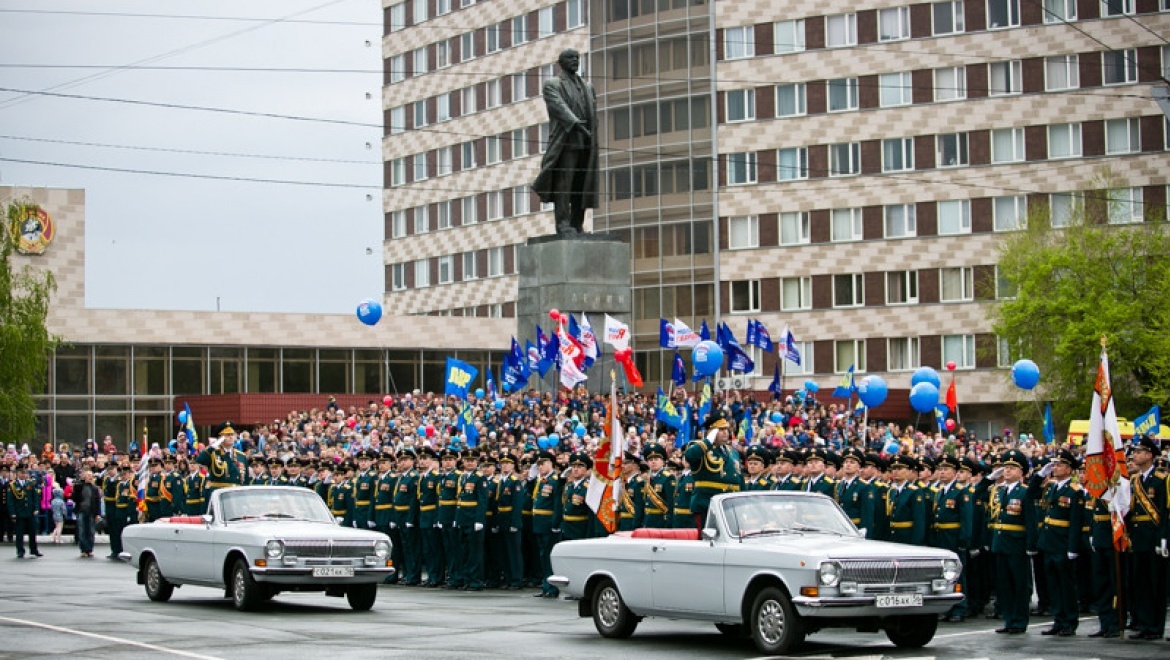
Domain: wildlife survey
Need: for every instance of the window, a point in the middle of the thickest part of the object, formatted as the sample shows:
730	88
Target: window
900	221
420	60
741	105
739	42
1002	14
947	17
422	273
1005	353
420	11
446	269
1117	7
397	120
960	349
1059	11
842	94
397	17
467	46
545	23
743	232
1122	136
1064	141
741	168
398	277
492	149
492	38
805	348
495	205
745	296
840	30
521	201
442	7
576	13
397	69
846	225
950	83
544	130
788	37
844	159
1061	72
898	155
519	139
420	113
467	155
470	266
519	86
794	228
495	257
1010	213
1119	67
895	89
468	210
467	100
492	94
443	54
420	167
398	172
792	164
398	224
951	150
1005	78
795	293
443	161
902	287
421	221
519	30
850	353
902	354
443	107
495	311
1125	206
893	24
790	100
444	210
1063	207
954	217
1007	145
1004	288
956	284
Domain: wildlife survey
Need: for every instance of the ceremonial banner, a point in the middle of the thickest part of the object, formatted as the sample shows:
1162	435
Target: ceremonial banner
1105	472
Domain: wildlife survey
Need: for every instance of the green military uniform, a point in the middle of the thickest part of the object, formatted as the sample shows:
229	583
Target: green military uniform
383	512
547	510
223	471
1148	524
470	520
195	493
154	483
576	516
125	510
172	493
340	498
878	487
428	520
788	482
448	504
510	496
1059	541
855	496
906	507
23	502
406	516
953	525
658	490
363	493
716	469
1013	536
821	483
632	507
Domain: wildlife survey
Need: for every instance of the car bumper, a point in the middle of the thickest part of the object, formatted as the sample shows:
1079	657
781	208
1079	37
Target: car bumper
304	576
863	606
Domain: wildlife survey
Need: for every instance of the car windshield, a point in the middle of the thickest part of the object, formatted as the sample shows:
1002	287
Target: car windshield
273	504
765	514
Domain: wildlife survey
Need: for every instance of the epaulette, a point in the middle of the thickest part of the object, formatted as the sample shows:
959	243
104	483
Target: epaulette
911	487
830	480
666	473
478	473
1076	487
880	483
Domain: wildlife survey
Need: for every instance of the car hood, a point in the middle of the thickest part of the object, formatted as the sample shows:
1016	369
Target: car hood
832	546
298	529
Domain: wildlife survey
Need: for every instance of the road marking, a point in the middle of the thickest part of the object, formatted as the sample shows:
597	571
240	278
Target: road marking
108	638
992	630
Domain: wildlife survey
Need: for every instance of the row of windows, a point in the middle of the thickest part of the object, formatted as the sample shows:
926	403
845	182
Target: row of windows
465	211
652	59
621	10
955	83
466	101
906	22
490	311
664	178
660	117
1116	206
447	269
1109	137
481	152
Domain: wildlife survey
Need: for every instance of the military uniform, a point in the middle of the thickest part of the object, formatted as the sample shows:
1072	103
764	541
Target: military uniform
340	499
1149	533
172	493
470	519
763	480
223	471
658	490
448	504
906	507
23	503
195	493
576	516
406	516
547	510
510	496
154	484
125	510
383	505
1104	569
821	483
631	509
681	515
1059	540
716	469
363	493
790	481
855	496
428	520
952	525
1013	537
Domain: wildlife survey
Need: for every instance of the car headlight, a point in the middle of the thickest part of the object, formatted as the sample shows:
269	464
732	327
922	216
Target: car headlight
951	569
274	549
829	573
382	549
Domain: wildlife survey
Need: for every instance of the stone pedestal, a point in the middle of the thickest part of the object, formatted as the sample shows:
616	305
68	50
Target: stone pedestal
588	273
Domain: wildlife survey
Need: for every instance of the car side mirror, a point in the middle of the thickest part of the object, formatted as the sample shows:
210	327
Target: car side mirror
207	518
710	533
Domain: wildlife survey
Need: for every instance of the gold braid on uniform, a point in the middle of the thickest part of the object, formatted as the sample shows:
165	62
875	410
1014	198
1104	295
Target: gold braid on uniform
218	465
712	463
18	493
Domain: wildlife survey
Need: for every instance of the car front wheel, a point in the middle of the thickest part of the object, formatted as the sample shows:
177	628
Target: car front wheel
157	587
246	594
775	626
361	597
610	614
912	631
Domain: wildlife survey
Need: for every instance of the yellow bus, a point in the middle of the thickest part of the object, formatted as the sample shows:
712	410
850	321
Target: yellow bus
1079	427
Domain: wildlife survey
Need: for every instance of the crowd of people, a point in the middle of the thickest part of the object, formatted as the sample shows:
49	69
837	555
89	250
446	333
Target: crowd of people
484	509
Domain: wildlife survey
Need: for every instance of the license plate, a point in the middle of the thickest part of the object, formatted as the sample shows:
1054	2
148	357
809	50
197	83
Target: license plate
345	571
898	600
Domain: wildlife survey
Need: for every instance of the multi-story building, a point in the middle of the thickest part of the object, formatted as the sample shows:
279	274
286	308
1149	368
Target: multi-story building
842	168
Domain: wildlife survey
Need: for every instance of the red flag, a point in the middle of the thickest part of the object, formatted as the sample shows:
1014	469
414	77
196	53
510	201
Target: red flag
952	397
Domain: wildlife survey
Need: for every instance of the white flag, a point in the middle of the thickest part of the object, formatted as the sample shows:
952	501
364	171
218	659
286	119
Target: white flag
617	334
588	339
684	336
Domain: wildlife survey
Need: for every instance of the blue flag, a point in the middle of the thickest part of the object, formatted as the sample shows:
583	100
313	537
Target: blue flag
750	339
763	338
846	387
684	433
774	387
513	373
666	413
491	385
940	416
550	348
705	402
460	376
1050	426
1151	421
574	328
678	374
791	353
737	358
666	337
466	423
519	361
533	355
704	332
189	427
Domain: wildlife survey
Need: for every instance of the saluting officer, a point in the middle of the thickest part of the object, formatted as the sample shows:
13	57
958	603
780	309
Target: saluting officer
1059	540
1013	540
854	495
576	516
546	517
1149	537
658	491
905	503
756	463
222	463
428	517
715	466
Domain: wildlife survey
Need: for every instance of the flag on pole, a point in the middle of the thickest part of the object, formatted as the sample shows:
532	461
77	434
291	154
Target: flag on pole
791	353
940	417
572	359
684	336
952	397
491	385
666	334
665	412
678	374
705	402
704	332
1049	425
605	487
750	335
465	422
589	342
764	338
846	388
774	387
617	334
458	378
192	434
1151	422
1105	472
533	354
737	358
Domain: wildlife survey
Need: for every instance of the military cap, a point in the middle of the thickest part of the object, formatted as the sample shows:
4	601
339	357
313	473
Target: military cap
227	429
369	454
428	451
449	452
787	455
507	457
257	460
833	458
1147	444
994	459
1068	458
853	453
927	463
971	465
155	461
716	421
123	468
581	458
876	461
545	455
168	458
275	461
903	461
816	453
653	450
488	459
408	452
949	461
674	465
1017	458
309	463
759	453
471	455
345	466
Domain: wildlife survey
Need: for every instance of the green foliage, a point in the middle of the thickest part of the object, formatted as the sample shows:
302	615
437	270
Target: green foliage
1078	283
25	342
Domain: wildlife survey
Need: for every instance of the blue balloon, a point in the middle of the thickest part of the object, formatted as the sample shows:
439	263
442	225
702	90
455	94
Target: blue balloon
1025	374
926	375
811	386
369	311
707	358
924	397
872	390
507	387
553	439
891	447
499	404
422	430
479	392
777	417
580	431
182	416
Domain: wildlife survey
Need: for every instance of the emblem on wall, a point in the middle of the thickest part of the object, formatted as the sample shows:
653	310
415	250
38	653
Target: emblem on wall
32	229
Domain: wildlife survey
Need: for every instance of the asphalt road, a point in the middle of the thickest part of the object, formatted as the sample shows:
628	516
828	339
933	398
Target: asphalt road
61	605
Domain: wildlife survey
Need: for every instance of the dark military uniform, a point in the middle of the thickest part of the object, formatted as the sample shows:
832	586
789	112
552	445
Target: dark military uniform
340	497
383	505
952	525
510	496
855	496
1104	570
547	510
631	509
1013	537
681	516
716	470
822	483
363	494
576	516
406	517
1059	540
428	521
470	519
195	493
23	503
172	494
153	486
448	504
657	491
223	470
1149	531
125	511
906	507
763	480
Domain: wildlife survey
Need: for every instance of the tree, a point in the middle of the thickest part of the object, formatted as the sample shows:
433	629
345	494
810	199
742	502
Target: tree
25	341
1076	283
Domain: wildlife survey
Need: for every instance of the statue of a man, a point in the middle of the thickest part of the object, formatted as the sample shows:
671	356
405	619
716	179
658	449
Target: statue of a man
568	171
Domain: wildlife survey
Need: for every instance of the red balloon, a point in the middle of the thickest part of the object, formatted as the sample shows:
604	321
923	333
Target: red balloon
950	425
554	314
430	431
951	365
564	318
387	400
351	422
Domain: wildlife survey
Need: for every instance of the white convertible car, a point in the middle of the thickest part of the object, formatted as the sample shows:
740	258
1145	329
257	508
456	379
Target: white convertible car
255	542
773	565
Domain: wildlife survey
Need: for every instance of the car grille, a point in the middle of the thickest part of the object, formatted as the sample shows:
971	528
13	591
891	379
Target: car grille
327	549
891	571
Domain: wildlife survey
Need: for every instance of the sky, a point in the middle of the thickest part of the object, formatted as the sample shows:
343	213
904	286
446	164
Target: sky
184	242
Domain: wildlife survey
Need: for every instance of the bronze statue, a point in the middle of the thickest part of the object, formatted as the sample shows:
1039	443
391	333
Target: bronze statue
568	171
